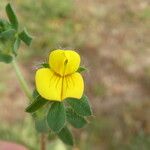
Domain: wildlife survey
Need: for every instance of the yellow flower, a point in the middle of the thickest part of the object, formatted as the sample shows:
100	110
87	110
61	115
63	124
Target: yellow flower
61	80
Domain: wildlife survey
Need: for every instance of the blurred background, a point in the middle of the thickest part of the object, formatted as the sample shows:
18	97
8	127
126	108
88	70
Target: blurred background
113	40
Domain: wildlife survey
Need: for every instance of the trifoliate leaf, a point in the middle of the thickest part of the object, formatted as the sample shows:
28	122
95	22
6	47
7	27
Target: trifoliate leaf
66	136
80	106
74	119
12	16
56	116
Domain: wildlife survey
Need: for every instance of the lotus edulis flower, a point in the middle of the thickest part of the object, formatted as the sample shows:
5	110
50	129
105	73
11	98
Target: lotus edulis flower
61	80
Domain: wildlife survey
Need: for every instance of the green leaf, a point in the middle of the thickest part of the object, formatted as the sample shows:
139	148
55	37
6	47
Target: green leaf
7	34
25	37
56	116
81	69
74	119
41	125
81	106
66	136
5	58
16	46
41	112
38	103
35	94
4	25
12	16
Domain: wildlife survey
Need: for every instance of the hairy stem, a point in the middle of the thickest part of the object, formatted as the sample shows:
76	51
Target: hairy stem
25	88
21	79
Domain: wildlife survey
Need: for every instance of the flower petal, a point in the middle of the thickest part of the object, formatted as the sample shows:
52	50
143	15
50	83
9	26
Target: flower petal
48	84
54	87
73	86
64	62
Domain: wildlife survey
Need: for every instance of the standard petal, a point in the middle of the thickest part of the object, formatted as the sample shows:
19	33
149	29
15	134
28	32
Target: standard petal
64	62
73	86
48	84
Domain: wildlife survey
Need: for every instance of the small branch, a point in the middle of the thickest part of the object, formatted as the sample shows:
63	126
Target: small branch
21	79
43	142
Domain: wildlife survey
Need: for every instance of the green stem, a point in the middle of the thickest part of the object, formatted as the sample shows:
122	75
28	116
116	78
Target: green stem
21	79
25	88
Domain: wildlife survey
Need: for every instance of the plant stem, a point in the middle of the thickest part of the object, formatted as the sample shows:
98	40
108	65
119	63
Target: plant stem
43	141
21	79
25	88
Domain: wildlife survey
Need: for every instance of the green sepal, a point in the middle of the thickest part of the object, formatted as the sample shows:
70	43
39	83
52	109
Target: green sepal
5	58
56	116
25	37
45	65
7	34
16	46
36	104
74	119
12	16
80	106
66	136
81	69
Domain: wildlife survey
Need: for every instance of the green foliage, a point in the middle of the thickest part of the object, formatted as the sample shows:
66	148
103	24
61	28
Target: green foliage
45	65
16	46
56	116
35	94
37	103
38	109
4	25
25	37
7	34
40	118
81	69
12	16
74	119
80	106
5	58
66	136
41	125
10	37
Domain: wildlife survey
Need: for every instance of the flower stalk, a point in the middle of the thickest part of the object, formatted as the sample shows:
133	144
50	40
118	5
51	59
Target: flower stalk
23	83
